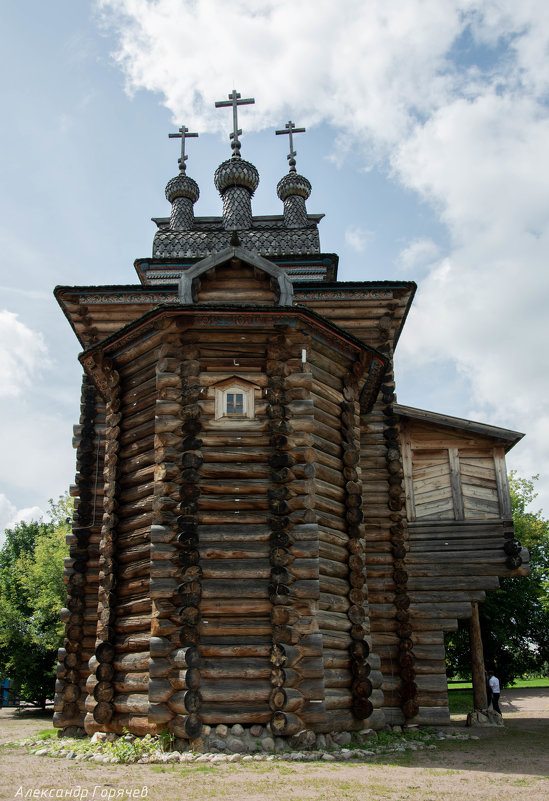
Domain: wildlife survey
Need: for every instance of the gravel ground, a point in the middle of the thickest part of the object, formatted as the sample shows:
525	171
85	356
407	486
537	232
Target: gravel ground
506	764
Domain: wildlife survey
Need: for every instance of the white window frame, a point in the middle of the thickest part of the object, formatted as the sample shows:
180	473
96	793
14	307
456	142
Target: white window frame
234	387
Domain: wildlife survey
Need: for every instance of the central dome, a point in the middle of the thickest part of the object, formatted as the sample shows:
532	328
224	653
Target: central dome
236	172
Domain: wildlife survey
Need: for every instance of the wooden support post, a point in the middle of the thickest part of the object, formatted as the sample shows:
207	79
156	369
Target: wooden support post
480	700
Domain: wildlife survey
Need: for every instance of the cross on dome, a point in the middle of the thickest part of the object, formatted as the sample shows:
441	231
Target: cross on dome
235	100
183	134
290	129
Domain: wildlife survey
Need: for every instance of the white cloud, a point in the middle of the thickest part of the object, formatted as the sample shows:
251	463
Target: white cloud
357	238
354	64
22	353
44	440
418	254
10	515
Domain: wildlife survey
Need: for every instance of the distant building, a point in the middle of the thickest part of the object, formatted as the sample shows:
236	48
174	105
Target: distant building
262	534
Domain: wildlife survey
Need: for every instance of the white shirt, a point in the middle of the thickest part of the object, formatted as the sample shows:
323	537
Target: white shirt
494	684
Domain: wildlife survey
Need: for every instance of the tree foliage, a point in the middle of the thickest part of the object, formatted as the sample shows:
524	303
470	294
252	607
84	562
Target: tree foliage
514	619
32	593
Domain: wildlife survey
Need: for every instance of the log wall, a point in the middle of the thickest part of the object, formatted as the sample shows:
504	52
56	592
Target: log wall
461	539
82	566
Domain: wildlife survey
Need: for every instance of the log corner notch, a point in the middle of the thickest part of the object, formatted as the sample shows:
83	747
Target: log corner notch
70	685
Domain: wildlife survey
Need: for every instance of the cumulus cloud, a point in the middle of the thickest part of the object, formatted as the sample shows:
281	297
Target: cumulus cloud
450	96
418	254
354	64
10	515
22	353
357	238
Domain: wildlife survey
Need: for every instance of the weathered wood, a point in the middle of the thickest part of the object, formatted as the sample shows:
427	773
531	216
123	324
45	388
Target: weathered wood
478	670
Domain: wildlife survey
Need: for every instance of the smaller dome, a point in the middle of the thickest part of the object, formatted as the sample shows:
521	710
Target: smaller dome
293	184
236	172
182	186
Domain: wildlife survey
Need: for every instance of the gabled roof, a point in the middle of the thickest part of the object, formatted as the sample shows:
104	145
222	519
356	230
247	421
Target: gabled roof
245	256
508	437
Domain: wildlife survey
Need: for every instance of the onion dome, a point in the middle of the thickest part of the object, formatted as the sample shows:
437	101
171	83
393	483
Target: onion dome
182	192
292	185
236	180
293	190
236	172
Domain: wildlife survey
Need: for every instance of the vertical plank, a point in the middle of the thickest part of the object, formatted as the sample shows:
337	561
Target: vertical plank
455	479
407	468
504	495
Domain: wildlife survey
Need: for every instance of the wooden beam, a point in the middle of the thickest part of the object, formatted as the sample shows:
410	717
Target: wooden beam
480	700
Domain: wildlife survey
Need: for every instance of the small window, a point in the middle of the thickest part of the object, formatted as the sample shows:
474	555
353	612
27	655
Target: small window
234	403
234	398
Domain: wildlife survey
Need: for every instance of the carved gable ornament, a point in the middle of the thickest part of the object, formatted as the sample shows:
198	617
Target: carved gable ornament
190	277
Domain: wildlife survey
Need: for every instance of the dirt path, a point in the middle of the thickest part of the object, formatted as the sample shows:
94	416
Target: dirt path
509	764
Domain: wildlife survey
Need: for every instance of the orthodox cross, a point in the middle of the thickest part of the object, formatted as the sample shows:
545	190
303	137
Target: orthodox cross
290	129
235	100
183	134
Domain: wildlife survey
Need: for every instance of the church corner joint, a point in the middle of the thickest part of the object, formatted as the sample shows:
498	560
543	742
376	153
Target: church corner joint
262	535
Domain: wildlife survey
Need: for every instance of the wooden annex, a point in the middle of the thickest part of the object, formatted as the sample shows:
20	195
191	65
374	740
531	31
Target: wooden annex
262	534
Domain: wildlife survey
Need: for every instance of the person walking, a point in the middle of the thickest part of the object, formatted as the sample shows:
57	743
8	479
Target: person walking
496	691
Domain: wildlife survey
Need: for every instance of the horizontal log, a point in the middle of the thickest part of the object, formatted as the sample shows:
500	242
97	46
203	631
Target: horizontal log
132	662
128	683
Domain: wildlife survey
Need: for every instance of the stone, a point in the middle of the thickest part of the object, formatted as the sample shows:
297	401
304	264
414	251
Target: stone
198	745
320	742
73	731
220	744
221	730
327	757
303	739
206	730
342	738
180	744
330	742
237	730
98	737
268	744
235	744
486	718
234	757
256	730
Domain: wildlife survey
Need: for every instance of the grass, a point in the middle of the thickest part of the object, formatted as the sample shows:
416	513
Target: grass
46	734
460	700
460	696
517	684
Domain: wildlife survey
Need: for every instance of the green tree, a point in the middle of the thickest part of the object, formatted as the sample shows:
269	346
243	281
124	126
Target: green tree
514	619
32	593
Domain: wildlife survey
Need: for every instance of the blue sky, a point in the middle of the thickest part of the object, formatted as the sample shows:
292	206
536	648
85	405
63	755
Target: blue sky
427	146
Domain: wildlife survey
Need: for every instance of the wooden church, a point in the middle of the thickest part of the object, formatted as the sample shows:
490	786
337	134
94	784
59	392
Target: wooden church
262	534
